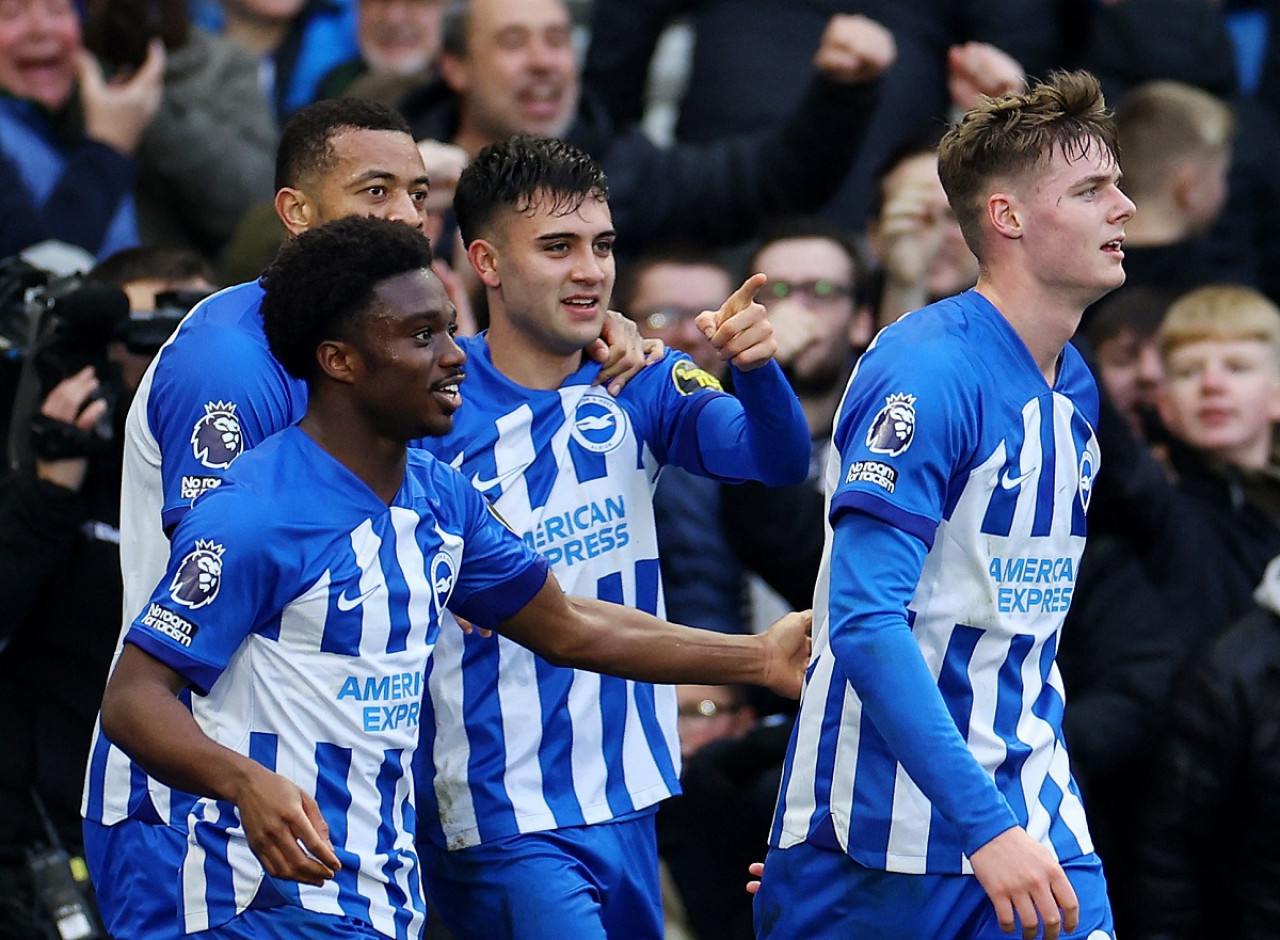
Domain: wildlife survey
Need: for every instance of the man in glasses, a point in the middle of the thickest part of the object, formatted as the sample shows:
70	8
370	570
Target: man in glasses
664	290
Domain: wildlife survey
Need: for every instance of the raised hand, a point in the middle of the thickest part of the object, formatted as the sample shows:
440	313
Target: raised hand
854	49
740	330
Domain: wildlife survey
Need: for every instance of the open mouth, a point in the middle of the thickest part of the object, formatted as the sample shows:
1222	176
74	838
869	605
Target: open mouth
449	391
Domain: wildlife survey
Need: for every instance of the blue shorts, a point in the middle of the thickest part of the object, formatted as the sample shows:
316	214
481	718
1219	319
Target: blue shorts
288	922
135	869
583	882
810	893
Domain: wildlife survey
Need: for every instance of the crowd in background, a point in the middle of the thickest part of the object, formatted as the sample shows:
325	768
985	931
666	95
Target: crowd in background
137	145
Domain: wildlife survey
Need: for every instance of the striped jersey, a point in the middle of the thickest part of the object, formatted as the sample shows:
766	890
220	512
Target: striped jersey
524	746
212	392
967	478
302	609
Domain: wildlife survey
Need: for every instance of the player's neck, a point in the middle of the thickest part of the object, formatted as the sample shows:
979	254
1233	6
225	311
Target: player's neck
375	459
525	361
1044	321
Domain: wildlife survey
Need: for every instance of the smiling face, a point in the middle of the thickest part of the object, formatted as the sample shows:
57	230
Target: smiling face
39	40
549	274
374	174
1072	215
399	36
410	366
518	75
1222	396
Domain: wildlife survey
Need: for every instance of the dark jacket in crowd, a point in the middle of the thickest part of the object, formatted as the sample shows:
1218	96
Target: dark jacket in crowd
1211	846
61	591
719	193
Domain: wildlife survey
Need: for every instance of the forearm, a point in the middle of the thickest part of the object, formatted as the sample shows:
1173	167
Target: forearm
765	439
602	637
875	649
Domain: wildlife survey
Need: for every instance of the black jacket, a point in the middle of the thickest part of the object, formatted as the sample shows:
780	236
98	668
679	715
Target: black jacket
719	194
60	591
1211	847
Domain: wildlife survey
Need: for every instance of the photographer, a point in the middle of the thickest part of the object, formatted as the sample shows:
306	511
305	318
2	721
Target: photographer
60	588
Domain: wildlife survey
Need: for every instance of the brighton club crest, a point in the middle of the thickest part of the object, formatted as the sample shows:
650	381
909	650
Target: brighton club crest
894	427
199	576
216	439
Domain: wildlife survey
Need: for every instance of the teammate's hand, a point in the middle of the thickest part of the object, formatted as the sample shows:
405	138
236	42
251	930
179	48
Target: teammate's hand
757	869
1022	877
285	829
621	351
740	330
788	646
854	49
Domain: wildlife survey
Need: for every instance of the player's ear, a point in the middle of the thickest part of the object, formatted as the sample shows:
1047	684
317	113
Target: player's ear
339	360
1004	214
295	210
484	260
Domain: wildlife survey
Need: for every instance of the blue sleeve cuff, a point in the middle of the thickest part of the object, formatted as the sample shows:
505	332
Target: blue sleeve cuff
491	606
846	501
202	676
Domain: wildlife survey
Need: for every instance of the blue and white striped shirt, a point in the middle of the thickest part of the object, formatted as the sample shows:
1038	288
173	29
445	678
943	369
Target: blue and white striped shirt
304	609
931	718
521	745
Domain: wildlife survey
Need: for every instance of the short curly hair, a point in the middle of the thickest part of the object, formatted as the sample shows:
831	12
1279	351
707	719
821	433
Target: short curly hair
306	143
322	283
1003	138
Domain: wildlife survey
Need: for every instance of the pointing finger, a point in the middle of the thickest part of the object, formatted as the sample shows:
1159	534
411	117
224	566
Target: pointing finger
744	296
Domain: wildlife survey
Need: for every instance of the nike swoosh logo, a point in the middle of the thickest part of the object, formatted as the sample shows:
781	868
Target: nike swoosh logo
351	603
500	480
1012	482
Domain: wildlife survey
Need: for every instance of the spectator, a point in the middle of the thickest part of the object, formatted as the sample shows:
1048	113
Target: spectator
507	66
60	581
296	43
813	291
1176	144
60	151
702	581
1122	331
207	155
949	50
1208	846
1187	41
665	289
914	238
399	41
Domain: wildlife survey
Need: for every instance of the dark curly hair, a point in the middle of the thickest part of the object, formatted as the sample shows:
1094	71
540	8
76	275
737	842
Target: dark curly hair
322	283
520	174
306	141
